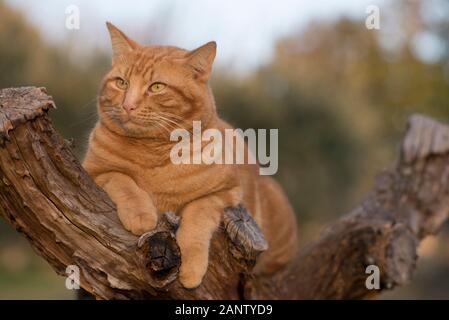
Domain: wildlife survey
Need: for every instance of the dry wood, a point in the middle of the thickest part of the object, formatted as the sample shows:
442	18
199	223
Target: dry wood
47	196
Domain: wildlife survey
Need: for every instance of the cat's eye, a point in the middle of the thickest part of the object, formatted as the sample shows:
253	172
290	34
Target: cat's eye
121	83
157	86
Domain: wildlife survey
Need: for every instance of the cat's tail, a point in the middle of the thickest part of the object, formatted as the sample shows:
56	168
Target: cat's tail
279	226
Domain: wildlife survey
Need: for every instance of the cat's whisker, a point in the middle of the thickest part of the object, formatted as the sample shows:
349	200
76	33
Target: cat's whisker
91	114
170	126
171	115
174	123
162	126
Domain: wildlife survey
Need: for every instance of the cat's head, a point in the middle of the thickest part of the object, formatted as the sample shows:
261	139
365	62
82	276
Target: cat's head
152	90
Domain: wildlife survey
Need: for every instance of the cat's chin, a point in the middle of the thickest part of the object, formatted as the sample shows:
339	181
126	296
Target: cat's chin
131	129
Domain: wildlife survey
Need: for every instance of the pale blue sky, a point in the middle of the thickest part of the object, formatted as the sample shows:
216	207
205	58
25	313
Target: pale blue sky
245	30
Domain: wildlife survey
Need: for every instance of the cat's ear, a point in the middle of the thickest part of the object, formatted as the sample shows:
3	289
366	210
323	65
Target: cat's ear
202	58
121	44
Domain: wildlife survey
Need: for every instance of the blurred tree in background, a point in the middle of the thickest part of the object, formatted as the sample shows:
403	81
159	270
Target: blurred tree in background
338	92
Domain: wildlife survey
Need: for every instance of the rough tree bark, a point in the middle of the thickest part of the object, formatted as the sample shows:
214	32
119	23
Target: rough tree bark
47	196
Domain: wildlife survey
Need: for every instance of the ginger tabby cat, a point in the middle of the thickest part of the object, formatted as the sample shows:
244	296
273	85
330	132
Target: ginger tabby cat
149	90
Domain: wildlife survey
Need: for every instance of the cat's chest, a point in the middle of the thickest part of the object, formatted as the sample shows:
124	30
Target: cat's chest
172	186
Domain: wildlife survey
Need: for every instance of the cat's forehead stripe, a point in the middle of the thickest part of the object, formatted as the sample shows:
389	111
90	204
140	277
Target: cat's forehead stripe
129	71
142	62
149	65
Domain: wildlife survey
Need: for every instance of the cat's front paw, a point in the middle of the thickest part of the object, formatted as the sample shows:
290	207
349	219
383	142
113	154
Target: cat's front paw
137	220
191	276
193	268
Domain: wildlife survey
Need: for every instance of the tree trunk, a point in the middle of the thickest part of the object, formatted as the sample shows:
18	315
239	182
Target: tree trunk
46	195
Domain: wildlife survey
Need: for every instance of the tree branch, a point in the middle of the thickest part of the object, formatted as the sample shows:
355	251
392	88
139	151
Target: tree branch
46	195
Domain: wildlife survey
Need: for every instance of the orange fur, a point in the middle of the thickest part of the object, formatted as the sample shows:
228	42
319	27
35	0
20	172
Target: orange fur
129	150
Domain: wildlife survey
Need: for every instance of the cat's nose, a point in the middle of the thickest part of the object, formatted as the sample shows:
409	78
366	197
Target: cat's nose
128	107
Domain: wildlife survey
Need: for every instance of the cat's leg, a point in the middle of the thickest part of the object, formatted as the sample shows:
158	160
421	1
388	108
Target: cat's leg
199	220
198	223
135	208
